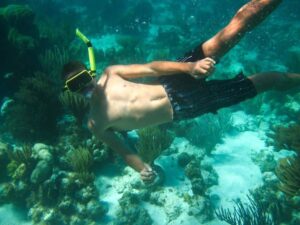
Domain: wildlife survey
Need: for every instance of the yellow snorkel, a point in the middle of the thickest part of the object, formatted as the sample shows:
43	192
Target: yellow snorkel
90	51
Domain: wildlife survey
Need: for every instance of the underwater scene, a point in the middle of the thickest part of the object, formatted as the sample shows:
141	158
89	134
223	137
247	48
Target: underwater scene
237	165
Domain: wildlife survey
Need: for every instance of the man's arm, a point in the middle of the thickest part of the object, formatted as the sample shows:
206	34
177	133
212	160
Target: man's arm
158	68
119	146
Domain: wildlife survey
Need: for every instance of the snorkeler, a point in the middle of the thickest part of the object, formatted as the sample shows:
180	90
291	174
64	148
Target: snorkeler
118	104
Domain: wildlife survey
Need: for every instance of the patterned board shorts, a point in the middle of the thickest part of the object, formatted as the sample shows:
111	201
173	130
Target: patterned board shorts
190	97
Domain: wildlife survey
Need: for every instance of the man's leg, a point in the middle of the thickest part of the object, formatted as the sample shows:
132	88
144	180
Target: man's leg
275	81
245	20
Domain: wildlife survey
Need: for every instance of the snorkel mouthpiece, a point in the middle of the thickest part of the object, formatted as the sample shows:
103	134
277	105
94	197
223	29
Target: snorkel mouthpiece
90	51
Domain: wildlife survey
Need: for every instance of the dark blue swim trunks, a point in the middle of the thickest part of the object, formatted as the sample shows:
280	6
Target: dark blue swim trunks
191	98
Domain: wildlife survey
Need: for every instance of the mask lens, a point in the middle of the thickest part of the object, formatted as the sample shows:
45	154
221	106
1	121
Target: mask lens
79	82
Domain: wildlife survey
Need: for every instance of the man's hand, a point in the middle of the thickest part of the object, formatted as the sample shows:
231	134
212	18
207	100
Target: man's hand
202	68
148	174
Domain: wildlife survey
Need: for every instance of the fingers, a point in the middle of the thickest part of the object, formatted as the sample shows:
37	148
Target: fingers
204	73
208	63
209	71
148	177
204	67
208	67
147	174
210	60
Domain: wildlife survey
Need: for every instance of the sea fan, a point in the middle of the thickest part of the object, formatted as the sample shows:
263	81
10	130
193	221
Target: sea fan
253	213
81	161
288	172
152	142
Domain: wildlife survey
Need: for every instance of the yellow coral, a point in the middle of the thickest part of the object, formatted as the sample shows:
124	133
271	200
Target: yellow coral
21	155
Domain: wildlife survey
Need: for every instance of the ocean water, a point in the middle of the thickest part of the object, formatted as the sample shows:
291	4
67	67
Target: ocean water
239	166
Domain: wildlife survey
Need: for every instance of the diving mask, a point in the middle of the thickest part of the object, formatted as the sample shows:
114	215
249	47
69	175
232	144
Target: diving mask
79	81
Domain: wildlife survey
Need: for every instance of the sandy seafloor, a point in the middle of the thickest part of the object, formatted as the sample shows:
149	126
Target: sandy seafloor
231	159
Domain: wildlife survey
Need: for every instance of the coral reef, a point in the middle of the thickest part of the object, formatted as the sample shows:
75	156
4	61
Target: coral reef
37	96
184	158
291	106
51	62
281	183
19	16
274	202
201	207
19	39
21	163
288	168
287	137
26	41
19	168
4	160
201	176
43	169
207	131
131	212
70	142
265	160
99	151
51	194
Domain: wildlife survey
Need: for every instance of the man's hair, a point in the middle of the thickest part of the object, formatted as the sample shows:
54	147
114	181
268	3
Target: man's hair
72	68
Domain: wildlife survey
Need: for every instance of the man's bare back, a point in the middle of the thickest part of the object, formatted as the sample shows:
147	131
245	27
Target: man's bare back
120	104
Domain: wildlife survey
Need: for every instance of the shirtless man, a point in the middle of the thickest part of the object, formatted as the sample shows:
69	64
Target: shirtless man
118	104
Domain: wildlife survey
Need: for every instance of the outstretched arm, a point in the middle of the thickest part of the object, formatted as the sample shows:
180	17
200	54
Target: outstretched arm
197	69
119	146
